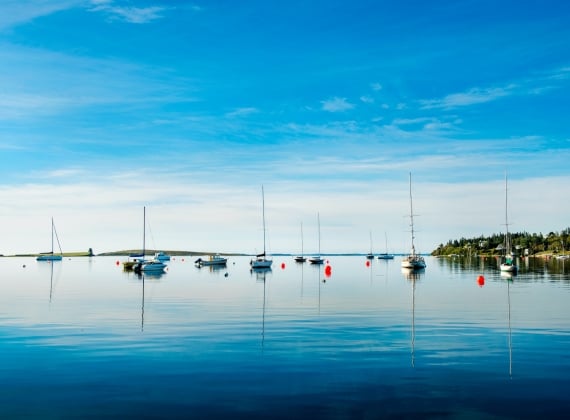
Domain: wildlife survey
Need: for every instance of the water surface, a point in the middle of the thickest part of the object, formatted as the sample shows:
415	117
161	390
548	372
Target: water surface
81	338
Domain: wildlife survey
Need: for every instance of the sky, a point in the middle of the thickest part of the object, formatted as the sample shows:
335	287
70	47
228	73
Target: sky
188	108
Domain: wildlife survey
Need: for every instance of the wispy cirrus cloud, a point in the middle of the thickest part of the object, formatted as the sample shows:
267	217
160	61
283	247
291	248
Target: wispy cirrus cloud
471	97
127	13
376	86
16	12
242	112
336	104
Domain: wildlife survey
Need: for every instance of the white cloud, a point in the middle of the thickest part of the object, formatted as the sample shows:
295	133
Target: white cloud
128	14
471	97
16	12
242	112
367	99
337	104
376	86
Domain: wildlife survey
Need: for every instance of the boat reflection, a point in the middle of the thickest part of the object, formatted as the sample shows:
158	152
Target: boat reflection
509	277
413	275
53	279
141	277
261	277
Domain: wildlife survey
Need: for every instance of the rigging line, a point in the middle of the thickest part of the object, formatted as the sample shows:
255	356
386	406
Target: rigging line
57	238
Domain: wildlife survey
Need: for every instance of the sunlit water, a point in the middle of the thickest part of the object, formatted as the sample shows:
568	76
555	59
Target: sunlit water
81	338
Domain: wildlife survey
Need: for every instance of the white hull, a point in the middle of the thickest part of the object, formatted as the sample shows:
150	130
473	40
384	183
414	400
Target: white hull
508	268
414	262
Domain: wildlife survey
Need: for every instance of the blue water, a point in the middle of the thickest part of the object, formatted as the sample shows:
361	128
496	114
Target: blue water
83	339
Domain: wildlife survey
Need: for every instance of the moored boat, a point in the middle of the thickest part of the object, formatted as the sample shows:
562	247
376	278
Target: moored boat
508	264
261	261
413	260
213	260
50	256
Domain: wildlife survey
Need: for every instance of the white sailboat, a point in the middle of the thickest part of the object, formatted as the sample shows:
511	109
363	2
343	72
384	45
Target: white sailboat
301	258
412	260
261	261
51	256
144	266
508	264
317	258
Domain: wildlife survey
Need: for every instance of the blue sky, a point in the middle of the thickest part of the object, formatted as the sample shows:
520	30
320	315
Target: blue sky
188	107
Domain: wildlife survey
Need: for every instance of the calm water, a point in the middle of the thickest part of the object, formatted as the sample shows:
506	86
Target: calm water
81	338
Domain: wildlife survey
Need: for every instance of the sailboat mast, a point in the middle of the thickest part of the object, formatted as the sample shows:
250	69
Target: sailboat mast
52	236
263	216
507	240
319	226
144	231
412	217
302	247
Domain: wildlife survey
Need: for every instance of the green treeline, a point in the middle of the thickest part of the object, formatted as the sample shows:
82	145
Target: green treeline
523	243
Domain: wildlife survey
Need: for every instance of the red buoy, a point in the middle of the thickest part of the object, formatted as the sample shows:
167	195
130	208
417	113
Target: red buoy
481	281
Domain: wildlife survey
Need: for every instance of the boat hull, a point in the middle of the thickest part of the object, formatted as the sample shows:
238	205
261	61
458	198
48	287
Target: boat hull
508	268
385	257
213	261
49	258
150	267
414	262
261	263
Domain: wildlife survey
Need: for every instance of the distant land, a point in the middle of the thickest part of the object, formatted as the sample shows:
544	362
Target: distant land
524	243
127	252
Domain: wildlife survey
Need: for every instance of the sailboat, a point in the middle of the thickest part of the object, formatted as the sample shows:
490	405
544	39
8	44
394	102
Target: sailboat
51	256
317	259
413	261
151	266
385	255
370	255
261	261
508	264
301	258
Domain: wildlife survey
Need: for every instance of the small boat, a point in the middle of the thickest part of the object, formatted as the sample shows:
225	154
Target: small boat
385	255
152	266
50	256
412	260
213	260
370	255
508	264
139	264
317	259
301	258
261	261
161	256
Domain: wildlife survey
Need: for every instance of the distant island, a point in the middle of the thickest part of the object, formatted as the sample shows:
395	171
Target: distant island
555	243
126	252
